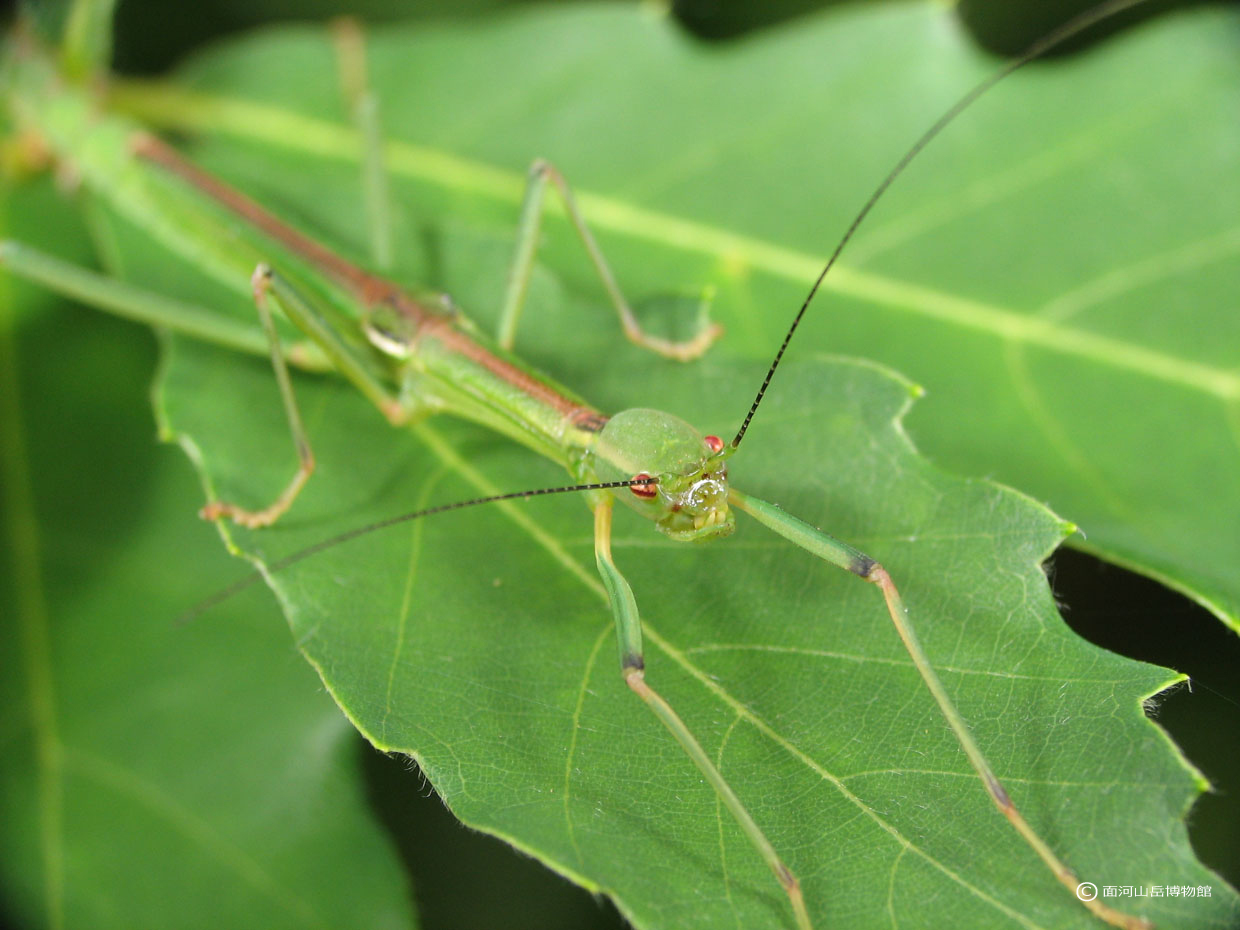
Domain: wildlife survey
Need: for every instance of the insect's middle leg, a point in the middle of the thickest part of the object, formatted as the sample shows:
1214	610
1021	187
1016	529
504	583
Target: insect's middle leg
305	455
541	173
633	667
344	358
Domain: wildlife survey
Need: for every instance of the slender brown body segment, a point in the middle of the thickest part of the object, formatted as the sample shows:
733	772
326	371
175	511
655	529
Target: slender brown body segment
370	289
467	347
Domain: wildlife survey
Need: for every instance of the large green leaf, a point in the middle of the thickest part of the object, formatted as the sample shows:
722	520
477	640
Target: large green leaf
151	775
1056	269
480	642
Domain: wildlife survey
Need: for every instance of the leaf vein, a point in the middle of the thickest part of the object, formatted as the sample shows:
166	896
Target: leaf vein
172	107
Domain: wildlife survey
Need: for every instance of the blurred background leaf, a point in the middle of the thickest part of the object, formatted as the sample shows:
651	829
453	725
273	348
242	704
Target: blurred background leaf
159	796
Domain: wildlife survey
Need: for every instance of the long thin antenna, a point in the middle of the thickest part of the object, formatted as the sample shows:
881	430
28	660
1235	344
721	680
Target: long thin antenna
1036	50
280	564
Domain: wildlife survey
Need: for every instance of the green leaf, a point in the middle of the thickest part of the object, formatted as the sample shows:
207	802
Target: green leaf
508	693
480	643
1056	268
151	775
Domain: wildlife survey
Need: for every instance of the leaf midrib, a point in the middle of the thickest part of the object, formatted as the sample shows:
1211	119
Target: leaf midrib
168	106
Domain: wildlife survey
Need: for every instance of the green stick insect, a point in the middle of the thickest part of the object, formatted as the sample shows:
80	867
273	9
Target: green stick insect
411	355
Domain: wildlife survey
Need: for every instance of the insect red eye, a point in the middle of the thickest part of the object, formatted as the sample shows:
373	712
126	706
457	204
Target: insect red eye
714	443
646	487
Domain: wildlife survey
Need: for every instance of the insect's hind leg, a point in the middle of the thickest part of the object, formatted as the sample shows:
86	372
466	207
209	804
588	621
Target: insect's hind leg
350	48
629	632
131	302
541	173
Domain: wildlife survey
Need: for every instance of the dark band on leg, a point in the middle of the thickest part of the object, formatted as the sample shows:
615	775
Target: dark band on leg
998	792
862	565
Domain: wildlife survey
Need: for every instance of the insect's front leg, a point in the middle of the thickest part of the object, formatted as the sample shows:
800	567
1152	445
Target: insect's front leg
632	662
541	173
838	553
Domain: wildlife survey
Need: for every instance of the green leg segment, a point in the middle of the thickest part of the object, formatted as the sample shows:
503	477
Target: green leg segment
343	357
305	455
542	172
134	303
324	352
351	59
841	554
355	360
628	630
